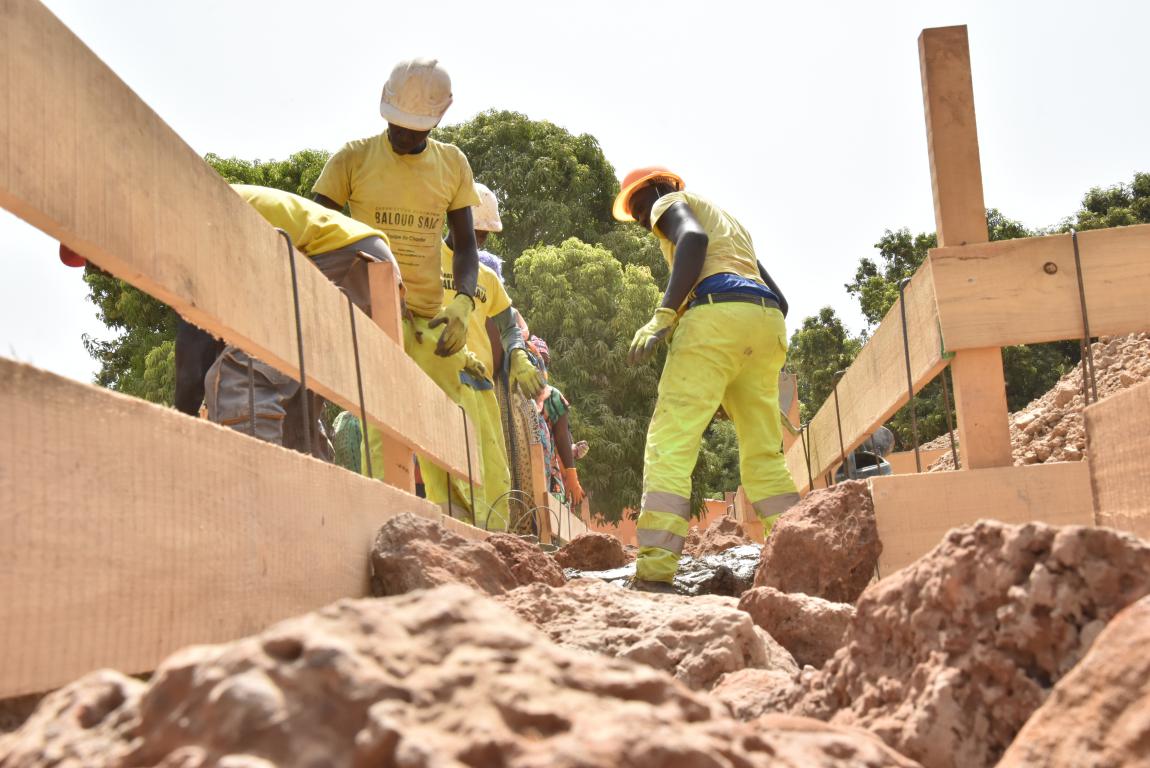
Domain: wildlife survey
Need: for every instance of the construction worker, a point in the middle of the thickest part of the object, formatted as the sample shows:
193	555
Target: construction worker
492	304
341	248
728	347
409	185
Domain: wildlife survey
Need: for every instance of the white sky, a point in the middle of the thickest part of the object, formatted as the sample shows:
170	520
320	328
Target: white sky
803	119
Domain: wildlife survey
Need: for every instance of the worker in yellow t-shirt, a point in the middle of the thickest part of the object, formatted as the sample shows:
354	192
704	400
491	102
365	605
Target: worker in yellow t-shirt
729	345
492	305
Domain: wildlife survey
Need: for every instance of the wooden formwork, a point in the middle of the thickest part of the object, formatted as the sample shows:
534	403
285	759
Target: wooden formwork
1118	443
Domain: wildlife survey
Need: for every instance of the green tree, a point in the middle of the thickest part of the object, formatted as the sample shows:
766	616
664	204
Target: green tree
820	348
1116	206
551	184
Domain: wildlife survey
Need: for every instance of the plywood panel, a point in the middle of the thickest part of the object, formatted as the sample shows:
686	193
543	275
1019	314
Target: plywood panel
1118	444
131	530
87	162
1026	291
914	512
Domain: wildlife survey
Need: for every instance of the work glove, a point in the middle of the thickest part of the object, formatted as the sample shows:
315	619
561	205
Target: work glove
575	493
580	449
454	316
474	367
525	374
647	337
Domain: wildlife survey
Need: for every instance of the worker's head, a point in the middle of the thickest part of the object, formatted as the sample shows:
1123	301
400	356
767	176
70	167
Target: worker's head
485	216
639	191
415	98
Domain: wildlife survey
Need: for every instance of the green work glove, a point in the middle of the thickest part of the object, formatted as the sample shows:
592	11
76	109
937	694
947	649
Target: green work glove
455	316
647	337
474	367
525	374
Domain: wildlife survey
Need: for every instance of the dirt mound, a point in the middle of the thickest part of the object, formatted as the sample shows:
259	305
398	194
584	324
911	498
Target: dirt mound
1051	428
445	677
722	534
947	658
696	640
1098	714
592	552
810	628
527	563
826	546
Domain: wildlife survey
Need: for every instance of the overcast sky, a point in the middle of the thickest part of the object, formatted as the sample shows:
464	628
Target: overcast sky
803	119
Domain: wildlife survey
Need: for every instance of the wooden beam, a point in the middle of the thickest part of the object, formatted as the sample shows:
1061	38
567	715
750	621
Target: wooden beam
874	387
542	497
960	217
914	512
1026	291
1118	444
387	312
87	162
131	530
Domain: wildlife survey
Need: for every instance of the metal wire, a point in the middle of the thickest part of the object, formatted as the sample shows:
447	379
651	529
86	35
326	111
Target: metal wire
838	420
467	444
305	405
1089	382
902	284
359	385
949	419
804	430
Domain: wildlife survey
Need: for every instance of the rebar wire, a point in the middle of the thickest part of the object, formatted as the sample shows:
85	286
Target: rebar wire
251	396
949	420
467	444
306	406
804	430
1089	382
359	385
902	284
838	420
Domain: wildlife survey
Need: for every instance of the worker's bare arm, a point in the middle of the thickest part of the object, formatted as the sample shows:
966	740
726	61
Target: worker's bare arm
327	202
783	306
465	261
679	225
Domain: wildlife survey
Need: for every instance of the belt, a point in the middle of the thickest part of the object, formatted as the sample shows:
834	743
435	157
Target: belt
722	298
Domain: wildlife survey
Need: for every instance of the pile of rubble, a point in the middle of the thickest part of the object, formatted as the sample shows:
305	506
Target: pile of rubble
1051	428
1019	643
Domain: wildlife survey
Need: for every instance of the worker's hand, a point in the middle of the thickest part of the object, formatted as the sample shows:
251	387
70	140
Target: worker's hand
525	374
580	449
649	336
575	493
454	316
474	367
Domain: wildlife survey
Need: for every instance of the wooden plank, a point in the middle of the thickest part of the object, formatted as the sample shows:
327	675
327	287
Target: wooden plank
960	218
87	162
902	462
1118	444
914	512
131	530
874	387
789	406
542	498
1026	291
387	312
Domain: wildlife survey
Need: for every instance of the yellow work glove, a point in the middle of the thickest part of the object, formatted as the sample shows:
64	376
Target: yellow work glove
574	490
647	337
455	316
474	367
525	374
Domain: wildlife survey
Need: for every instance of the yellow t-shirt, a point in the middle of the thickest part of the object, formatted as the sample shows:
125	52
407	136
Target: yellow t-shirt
729	246
313	229
490	299
408	197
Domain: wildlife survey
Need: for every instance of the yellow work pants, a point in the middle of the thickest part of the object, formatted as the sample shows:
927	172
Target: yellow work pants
726	354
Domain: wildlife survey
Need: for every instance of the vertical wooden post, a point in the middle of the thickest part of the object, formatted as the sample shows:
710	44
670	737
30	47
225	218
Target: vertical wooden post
383	286
960	216
542	497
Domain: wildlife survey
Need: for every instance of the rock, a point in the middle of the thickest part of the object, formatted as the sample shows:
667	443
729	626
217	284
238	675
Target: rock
722	534
592	552
810	628
826	546
412	552
750	693
696	640
14	711
947	658
526	561
443	677
1099	714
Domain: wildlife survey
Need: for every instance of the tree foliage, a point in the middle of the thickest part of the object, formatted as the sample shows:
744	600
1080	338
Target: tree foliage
821	347
1116	206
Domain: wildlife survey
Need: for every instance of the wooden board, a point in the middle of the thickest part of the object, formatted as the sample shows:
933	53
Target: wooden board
998	294
1118	443
914	512
874	387
87	162
387	313
902	462
131	530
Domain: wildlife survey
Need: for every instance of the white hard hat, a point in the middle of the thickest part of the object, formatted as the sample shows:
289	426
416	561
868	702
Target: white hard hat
416	95
485	216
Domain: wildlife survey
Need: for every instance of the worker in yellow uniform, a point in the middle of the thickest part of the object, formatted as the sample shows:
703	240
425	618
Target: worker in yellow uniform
491	304
728	346
410	186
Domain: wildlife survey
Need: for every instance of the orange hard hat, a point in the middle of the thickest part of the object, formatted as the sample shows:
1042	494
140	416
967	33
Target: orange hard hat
621	209
71	258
